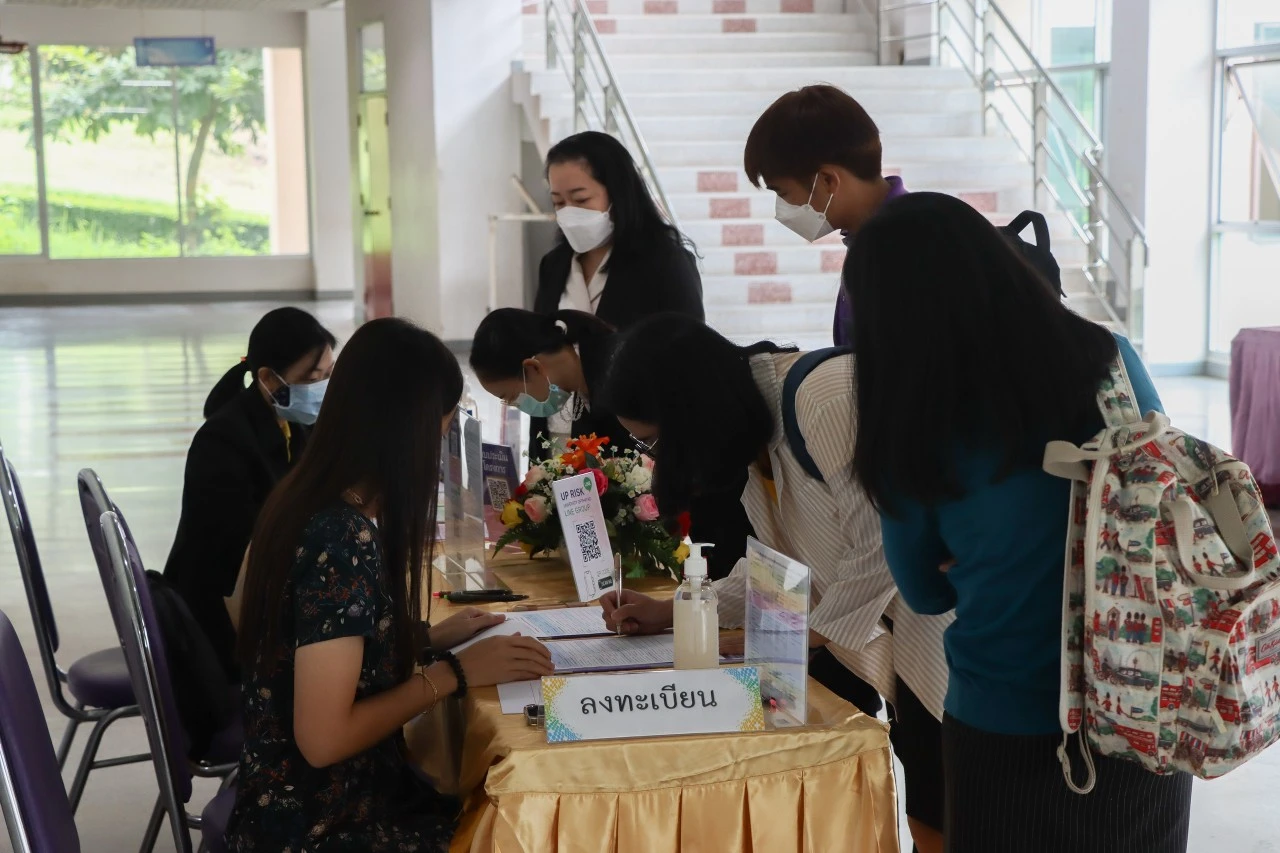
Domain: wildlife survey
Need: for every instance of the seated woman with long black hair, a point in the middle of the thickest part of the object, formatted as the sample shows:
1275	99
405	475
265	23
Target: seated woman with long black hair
715	412
257	419
331	634
967	365
552	367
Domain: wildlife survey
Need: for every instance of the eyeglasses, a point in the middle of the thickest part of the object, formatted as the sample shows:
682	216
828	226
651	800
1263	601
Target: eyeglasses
645	447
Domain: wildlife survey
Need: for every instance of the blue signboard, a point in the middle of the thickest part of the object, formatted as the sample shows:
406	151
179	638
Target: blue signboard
174	52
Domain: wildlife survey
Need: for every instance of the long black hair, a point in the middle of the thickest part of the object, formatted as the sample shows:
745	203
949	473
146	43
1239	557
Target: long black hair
281	338
378	430
638	224
508	336
960	348
695	385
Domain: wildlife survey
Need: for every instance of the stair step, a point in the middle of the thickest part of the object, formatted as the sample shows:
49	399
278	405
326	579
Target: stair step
969	152
772	322
743	44
799	258
663	25
767	291
627	63
700	7
557	99
662	79
943	128
759	206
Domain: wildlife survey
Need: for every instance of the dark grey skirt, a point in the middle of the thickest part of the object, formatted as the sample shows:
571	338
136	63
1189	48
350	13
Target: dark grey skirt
1006	794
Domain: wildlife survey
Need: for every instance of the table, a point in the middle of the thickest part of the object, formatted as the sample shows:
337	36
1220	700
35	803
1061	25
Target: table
825	787
1255	406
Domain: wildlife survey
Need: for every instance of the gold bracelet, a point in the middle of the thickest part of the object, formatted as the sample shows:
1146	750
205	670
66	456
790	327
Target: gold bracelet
435	691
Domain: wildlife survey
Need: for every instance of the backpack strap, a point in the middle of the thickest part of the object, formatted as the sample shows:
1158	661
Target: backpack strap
1116	399
796	375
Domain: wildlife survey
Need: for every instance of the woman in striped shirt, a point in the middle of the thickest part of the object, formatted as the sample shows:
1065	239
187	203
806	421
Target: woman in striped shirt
712	410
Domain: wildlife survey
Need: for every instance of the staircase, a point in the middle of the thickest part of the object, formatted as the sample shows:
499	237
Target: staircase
696	74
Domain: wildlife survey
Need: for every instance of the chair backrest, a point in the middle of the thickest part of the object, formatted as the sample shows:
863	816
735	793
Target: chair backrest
93	503
149	672
34	802
24	546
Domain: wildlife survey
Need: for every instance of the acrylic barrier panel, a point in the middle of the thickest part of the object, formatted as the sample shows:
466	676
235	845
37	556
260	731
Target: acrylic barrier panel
463	474
778	632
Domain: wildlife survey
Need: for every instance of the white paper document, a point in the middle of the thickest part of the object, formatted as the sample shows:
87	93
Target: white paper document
517	694
545	625
601	654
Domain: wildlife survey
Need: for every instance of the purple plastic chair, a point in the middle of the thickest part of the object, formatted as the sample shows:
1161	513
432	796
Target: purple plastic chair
96	688
149	668
35	806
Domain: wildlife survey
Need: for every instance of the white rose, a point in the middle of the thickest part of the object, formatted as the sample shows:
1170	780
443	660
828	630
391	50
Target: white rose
639	478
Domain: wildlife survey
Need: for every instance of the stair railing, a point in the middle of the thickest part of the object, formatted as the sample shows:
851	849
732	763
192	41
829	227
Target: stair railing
598	102
1064	153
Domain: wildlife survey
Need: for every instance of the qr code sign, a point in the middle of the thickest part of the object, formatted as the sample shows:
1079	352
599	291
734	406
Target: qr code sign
499	492
588	541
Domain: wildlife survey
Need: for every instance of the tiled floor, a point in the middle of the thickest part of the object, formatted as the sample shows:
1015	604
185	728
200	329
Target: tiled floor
120	390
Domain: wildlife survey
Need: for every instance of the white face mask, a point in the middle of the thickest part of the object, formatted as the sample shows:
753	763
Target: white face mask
584	229
802	218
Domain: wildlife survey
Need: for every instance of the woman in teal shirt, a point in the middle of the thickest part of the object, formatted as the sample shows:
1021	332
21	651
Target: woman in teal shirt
967	365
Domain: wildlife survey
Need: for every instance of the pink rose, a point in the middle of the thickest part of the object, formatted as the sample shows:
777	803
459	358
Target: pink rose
647	461
646	508
537	509
602	482
535	476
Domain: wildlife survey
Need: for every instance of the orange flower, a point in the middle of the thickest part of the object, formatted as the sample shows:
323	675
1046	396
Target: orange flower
582	447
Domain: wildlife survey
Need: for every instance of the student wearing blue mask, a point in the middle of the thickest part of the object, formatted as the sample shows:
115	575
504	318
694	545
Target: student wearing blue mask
257	420
549	367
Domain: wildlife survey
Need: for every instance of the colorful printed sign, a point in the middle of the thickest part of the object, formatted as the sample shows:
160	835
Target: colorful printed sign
500	483
586	537
652	704
778	631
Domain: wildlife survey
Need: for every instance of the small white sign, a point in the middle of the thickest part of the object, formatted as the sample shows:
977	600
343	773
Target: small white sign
652	704
586	537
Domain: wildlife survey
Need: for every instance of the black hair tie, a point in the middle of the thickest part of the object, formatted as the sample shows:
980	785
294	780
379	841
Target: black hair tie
452	660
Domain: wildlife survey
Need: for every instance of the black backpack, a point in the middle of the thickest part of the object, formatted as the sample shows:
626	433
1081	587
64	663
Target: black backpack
1037	254
206	700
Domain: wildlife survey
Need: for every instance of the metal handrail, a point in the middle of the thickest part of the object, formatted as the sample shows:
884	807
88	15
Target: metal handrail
1061	146
615	115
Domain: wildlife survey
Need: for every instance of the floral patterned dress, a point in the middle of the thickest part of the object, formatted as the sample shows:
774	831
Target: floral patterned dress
372	802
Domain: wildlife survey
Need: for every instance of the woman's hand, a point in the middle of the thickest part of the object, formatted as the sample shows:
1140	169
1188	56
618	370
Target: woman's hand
462	626
636	613
498	660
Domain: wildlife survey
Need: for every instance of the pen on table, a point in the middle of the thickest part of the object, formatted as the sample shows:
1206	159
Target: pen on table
559	605
480	596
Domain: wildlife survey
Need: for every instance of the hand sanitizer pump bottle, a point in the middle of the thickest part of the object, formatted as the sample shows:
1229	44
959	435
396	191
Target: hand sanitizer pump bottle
696	617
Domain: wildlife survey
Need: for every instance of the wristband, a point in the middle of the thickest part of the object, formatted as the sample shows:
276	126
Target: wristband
452	660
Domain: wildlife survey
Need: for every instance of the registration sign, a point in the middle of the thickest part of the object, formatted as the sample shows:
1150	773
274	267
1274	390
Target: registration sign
652	704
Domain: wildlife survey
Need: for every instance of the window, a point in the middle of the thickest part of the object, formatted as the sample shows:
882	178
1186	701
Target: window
19	204
1242	23
167	162
1247	234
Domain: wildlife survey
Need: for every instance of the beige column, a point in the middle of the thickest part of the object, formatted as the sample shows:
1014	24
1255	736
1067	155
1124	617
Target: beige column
286	150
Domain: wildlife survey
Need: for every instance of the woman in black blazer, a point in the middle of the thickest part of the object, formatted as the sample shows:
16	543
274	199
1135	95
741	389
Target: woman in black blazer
250	439
619	259
541	364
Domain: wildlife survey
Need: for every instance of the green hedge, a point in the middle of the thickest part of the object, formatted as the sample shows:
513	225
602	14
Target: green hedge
128	220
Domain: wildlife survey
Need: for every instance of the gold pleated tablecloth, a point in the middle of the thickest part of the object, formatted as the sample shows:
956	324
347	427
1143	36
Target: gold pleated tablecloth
824	788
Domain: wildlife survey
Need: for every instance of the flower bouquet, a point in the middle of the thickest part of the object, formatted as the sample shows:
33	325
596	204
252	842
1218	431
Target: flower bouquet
624	482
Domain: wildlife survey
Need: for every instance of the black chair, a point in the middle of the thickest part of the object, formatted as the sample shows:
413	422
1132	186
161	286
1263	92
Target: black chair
95	689
129	598
35	806
149	666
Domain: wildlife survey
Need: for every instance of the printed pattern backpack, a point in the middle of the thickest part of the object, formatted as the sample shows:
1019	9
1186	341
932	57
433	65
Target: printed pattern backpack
1171	601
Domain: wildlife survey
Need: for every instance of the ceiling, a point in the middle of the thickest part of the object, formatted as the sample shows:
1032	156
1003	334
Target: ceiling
232	5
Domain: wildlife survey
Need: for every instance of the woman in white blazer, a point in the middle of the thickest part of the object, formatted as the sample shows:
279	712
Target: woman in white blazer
708	409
